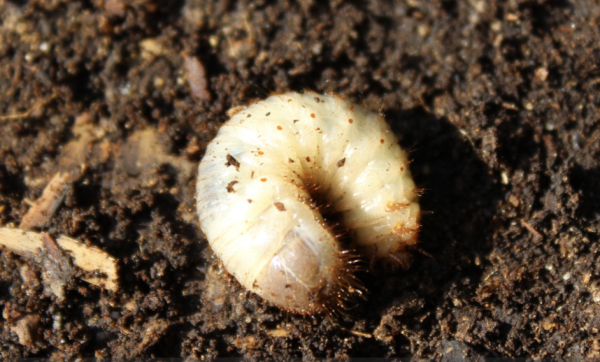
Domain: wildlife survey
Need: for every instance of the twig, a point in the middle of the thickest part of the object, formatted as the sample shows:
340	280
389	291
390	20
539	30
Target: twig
37	105
531	229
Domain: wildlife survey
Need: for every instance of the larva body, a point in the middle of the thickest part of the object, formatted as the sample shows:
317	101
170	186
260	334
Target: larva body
270	172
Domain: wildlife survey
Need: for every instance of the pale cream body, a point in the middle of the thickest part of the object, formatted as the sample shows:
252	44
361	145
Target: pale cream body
258	217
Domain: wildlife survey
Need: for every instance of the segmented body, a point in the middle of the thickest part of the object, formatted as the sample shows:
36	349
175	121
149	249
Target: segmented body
276	175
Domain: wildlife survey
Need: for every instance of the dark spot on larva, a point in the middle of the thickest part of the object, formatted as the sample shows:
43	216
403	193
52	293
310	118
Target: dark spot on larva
249	201
401	168
261	153
289	100
318	129
249	115
290	160
280	206
312	115
307	159
382	141
352	108
287	286
232	162
268	114
252	175
279	128
350	120
230	186
341	162
317	99
263	179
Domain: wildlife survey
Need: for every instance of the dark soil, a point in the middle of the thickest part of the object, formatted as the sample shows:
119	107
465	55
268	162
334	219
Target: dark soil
498	101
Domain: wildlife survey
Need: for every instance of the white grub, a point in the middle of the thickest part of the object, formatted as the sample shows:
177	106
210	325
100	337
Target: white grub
275	177
88	258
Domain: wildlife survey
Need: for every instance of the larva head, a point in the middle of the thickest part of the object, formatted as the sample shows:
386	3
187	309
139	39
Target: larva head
308	272
295	278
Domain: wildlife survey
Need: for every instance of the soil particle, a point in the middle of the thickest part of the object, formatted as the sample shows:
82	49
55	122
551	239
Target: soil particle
196	77
498	101
27	330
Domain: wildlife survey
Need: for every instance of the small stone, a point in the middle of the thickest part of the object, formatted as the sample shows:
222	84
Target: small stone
159	83
44	47
541	73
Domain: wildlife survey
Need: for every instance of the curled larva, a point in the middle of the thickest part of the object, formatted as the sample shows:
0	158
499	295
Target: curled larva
280	180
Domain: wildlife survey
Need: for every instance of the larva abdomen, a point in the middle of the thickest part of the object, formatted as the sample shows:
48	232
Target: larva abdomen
274	167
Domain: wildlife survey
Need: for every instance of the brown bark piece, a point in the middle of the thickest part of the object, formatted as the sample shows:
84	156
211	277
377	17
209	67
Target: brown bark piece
58	268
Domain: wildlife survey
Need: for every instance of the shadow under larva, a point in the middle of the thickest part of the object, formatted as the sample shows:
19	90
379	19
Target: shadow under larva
459	204
284	176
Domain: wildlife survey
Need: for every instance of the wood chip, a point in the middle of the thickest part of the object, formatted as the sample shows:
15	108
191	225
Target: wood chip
44	208
88	258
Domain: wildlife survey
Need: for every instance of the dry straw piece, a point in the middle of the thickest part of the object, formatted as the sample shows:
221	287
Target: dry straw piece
295	189
88	258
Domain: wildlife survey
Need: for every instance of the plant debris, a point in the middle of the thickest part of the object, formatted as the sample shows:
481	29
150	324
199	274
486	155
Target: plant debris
59	257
